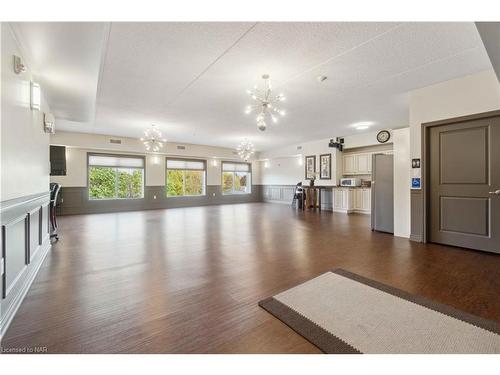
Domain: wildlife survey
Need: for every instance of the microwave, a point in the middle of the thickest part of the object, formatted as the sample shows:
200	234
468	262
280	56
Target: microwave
350	182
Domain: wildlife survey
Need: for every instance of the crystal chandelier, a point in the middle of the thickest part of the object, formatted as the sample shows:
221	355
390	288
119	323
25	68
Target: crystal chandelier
153	139
265	103
245	149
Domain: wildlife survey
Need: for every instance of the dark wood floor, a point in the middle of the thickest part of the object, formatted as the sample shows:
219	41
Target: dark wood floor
188	280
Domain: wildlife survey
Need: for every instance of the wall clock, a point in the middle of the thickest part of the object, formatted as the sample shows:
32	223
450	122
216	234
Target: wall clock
383	136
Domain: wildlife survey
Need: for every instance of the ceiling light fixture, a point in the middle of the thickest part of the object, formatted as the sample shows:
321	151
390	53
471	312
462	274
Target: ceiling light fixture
153	139
245	149
265	103
362	125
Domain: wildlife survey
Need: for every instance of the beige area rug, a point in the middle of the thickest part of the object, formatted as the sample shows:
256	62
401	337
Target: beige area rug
341	312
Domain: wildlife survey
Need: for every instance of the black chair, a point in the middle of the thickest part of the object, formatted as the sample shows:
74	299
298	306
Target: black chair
54	195
298	196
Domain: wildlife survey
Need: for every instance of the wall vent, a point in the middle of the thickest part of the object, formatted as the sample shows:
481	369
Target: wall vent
116	141
181	147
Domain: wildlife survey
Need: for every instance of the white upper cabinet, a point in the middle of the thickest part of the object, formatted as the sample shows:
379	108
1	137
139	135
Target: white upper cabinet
349	164
364	163
357	163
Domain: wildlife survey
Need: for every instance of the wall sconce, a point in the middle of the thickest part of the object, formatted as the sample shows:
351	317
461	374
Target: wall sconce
156	160
301	160
266	164
49	123
19	66
35	97
214	163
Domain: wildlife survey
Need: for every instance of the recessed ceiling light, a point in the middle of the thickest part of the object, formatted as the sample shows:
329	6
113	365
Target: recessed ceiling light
362	125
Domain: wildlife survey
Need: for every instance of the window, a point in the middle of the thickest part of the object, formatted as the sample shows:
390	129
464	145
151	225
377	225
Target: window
236	178
115	177
185	178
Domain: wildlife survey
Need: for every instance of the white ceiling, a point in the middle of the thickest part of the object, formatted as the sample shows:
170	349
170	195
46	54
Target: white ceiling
190	78
66	59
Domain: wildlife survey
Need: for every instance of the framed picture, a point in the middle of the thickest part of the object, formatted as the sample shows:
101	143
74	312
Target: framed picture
310	167
325	166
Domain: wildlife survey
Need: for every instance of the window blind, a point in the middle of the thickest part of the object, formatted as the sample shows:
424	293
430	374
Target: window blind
235	167
115	161
185	164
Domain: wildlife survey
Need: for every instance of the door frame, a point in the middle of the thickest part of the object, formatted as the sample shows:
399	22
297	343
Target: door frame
425	160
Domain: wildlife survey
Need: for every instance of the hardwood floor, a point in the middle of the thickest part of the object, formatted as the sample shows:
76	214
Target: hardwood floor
188	280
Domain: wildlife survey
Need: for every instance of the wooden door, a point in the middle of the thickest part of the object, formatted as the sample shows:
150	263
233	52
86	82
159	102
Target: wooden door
464	190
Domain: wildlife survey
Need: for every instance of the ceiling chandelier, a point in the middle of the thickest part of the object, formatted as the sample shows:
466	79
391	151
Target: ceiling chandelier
153	139
245	149
265	103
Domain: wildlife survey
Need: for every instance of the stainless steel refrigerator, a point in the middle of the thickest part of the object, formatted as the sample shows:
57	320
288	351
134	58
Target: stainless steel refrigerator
383	193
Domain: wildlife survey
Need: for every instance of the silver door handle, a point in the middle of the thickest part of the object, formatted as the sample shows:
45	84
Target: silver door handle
496	192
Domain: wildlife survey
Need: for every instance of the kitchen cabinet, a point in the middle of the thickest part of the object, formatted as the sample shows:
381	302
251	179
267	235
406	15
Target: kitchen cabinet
342	200
362	200
357	163
364	163
350	200
349	165
358	199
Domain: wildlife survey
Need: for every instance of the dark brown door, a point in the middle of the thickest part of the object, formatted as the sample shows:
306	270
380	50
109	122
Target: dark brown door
465	184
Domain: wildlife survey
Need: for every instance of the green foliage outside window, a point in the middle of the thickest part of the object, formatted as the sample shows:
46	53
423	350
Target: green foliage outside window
175	185
227	182
193	182
240	182
112	183
185	182
235	183
129	183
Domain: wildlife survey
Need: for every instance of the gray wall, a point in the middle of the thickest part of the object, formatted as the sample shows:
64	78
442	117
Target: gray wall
417	215
284	194
75	200
25	243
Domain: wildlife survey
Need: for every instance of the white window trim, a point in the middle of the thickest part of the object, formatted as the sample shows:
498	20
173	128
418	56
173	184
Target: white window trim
116	198
233	192
204	170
